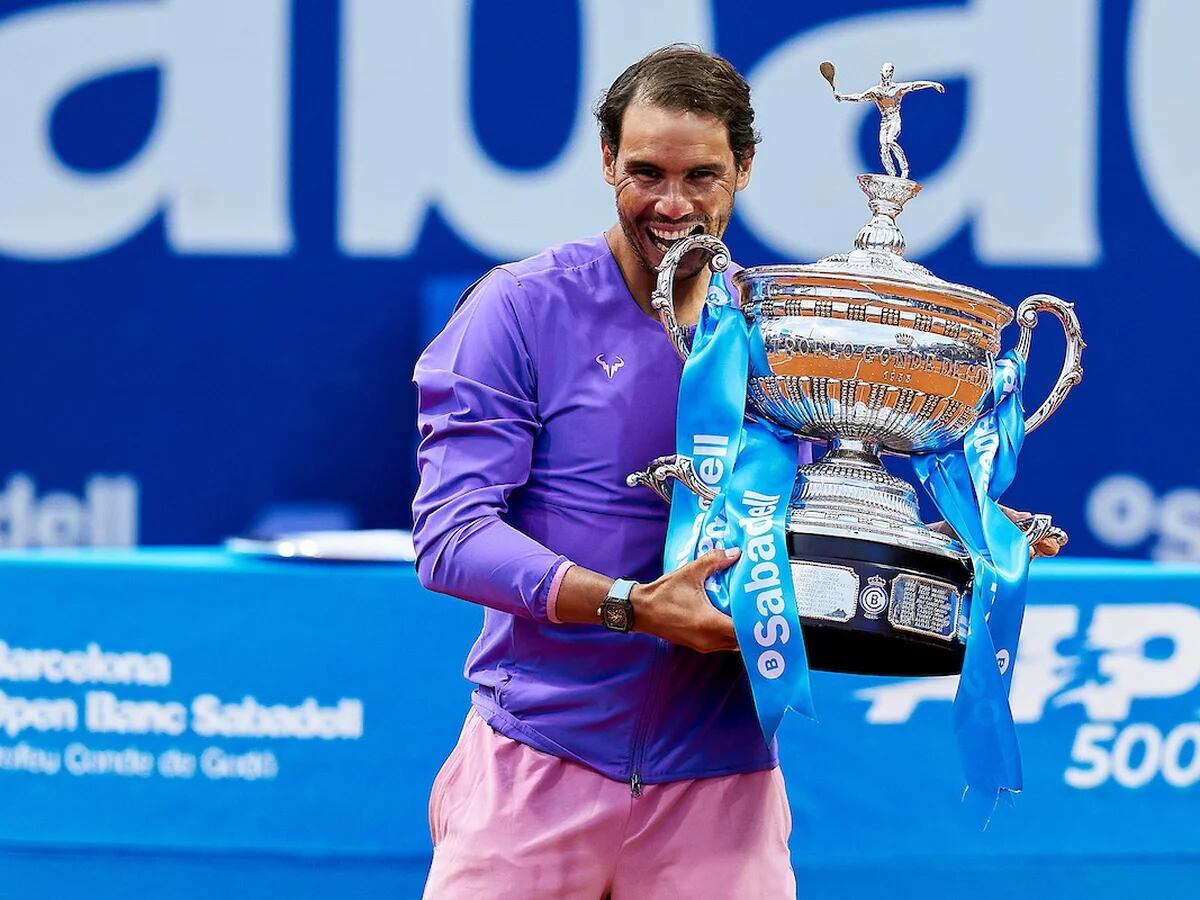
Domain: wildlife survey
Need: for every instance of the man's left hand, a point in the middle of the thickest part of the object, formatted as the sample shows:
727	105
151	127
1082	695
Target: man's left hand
1047	546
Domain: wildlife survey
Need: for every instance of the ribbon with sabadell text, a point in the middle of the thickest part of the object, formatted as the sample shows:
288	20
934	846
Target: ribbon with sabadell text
751	465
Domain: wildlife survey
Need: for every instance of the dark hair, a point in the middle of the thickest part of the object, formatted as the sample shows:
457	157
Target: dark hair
684	77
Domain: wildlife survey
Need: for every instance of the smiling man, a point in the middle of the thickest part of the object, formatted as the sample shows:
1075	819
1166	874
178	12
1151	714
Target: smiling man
612	747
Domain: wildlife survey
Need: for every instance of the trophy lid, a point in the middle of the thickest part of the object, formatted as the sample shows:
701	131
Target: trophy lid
882	272
877	263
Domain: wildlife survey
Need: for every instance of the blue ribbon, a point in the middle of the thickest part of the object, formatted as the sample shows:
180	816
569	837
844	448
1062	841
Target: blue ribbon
966	484
708	429
752	465
762	597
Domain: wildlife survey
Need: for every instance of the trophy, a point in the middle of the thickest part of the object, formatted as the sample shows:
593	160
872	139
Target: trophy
871	353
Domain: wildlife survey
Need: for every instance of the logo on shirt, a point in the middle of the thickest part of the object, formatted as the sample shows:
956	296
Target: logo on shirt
610	368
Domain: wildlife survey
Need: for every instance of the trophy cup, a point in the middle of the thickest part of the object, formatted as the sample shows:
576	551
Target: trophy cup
871	353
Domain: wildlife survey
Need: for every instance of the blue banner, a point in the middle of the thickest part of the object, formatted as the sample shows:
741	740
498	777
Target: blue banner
1104	694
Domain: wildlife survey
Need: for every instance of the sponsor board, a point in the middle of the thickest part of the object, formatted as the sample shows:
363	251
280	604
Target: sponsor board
1107	668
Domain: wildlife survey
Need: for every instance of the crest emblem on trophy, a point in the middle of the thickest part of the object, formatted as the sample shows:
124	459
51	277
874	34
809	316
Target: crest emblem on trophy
872	354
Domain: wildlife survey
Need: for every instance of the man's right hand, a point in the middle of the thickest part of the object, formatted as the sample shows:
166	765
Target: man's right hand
676	608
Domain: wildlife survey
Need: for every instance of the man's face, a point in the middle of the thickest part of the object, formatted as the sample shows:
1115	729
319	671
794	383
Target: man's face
674	175
885	74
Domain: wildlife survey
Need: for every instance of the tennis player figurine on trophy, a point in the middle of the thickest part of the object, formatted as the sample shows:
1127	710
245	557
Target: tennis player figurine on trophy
887	96
871	353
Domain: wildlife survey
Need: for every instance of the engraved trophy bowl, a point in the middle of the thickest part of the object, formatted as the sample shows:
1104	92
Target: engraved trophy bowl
870	353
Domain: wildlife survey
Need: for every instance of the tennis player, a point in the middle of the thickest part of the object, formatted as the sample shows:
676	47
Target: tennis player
612	747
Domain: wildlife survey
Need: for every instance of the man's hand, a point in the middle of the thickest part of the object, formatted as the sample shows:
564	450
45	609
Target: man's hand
676	608
1047	546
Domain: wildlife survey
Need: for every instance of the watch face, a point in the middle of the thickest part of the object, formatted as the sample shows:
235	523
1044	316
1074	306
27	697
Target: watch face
616	616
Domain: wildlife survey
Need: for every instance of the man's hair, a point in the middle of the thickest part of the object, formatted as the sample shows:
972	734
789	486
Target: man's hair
682	77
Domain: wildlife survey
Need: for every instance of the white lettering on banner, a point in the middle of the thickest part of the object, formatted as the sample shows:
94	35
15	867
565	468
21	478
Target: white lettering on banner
249	718
1028	190
174	763
708	453
1161	101
24	758
216	160
256	765
1125	671
760	548
105	714
1116	666
1123	511
394	88
713	536
91	664
684	554
106	516
985	441
79	759
19	713
1134	755
763	586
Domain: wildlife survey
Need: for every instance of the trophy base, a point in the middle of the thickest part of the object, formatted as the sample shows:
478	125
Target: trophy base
848	494
870	608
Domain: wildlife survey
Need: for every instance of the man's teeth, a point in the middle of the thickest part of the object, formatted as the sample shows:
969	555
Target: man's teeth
665	237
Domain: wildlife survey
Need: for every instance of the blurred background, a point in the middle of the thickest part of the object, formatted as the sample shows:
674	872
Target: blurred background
228	227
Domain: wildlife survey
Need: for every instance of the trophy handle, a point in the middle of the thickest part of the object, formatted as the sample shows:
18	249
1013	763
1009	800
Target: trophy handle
1072	368
663	297
664	468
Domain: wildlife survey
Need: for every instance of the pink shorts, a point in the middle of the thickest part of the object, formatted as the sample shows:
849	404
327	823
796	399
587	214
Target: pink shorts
510	821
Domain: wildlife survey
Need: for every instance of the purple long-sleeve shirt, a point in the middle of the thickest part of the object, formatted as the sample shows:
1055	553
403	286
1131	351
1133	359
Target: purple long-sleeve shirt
548	386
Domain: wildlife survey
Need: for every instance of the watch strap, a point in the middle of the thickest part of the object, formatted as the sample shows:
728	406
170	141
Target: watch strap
621	589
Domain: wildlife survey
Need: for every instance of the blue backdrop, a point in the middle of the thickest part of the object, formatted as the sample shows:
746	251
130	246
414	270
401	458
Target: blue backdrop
185	723
226	227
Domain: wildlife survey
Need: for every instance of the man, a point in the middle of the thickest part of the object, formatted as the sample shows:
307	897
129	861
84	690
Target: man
595	760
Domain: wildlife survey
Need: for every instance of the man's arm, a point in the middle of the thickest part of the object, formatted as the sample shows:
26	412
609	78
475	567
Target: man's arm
673	607
477	413
854	98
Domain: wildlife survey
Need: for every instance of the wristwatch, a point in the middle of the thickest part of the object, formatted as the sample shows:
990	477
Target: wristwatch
616	612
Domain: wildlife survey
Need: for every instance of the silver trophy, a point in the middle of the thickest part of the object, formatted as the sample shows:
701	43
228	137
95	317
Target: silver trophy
872	353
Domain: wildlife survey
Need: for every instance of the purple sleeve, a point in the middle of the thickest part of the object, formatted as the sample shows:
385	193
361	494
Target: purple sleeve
478	417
